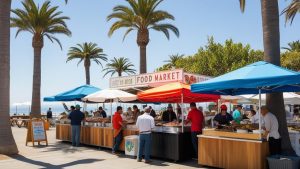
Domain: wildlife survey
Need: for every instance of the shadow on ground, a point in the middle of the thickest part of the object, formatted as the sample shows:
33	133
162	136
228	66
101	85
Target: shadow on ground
52	166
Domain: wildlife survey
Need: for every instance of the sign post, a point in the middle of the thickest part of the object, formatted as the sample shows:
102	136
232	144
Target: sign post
36	132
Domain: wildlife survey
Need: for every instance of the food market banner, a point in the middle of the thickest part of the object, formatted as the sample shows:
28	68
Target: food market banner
156	79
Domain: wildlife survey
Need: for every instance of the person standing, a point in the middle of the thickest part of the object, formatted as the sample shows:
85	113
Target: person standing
237	114
117	125
76	116
145	123
102	113
169	115
223	118
152	112
49	115
195	117
136	112
271	130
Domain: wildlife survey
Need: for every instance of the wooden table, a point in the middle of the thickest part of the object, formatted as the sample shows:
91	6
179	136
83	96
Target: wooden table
232	153
96	136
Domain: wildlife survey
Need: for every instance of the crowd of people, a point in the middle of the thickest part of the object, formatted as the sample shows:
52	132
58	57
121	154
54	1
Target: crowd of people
144	121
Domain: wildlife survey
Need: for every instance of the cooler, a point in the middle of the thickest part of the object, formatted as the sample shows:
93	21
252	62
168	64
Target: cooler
131	145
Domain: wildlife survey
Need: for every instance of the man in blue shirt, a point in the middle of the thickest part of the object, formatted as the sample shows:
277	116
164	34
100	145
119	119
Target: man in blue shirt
237	114
76	116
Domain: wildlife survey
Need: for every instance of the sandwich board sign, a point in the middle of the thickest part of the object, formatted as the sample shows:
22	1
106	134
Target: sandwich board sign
36	132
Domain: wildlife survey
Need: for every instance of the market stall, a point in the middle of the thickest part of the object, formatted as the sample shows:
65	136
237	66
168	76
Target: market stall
173	140
257	78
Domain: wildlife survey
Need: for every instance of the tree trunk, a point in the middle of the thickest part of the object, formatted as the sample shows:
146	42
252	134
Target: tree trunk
87	65
142	41
37	44
143	59
7	143
271	37
120	73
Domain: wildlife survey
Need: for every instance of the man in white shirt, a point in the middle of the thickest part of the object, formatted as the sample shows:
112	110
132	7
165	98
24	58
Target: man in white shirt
271	129
145	123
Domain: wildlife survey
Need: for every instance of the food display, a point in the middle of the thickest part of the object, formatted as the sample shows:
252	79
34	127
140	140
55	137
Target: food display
172	124
228	128
97	120
239	128
294	128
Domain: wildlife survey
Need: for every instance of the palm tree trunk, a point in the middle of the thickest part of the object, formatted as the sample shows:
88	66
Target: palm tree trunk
87	75
7	143
120	73
143	59
271	36
37	44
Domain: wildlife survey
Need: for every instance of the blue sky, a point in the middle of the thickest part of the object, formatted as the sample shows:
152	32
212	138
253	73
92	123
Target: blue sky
196	20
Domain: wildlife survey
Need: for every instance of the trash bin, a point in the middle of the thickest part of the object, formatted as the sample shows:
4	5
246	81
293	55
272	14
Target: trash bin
131	145
283	162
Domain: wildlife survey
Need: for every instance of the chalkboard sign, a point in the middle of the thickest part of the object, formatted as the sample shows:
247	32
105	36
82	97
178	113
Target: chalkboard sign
36	132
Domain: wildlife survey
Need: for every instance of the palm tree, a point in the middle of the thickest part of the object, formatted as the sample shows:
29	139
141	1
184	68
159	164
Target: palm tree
293	46
271	38
291	11
141	15
44	21
7	143
119	65
87	52
173	59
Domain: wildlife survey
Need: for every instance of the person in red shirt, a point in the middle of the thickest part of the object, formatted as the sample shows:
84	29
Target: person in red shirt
195	117
117	125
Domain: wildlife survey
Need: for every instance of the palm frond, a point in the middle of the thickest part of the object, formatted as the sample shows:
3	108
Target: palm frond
43	20
291	10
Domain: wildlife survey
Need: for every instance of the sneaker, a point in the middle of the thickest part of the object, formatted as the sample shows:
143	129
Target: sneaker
139	160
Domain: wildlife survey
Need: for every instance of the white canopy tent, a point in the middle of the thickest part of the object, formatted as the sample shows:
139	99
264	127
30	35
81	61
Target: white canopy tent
110	95
289	98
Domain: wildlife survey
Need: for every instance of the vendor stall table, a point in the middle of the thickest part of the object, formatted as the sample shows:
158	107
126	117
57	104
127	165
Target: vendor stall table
167	142
232	150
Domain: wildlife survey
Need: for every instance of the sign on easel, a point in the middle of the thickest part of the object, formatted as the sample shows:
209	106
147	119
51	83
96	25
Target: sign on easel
36	132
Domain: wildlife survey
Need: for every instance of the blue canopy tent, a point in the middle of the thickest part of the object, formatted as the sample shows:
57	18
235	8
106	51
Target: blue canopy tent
74	94
256	78
250	79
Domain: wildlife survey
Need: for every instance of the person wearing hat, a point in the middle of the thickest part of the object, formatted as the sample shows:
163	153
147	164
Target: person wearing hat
76	116
169	115
145	123
237	114
223	118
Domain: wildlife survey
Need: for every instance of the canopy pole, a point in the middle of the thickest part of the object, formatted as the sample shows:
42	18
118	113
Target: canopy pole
182	116
111	112
259	112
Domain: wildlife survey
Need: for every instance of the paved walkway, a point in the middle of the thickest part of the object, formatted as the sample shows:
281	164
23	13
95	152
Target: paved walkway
62	155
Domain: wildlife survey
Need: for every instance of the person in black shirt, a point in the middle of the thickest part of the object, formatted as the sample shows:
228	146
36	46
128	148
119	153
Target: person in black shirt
152	112
102	112
49	114
76	116
223	118
169	115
